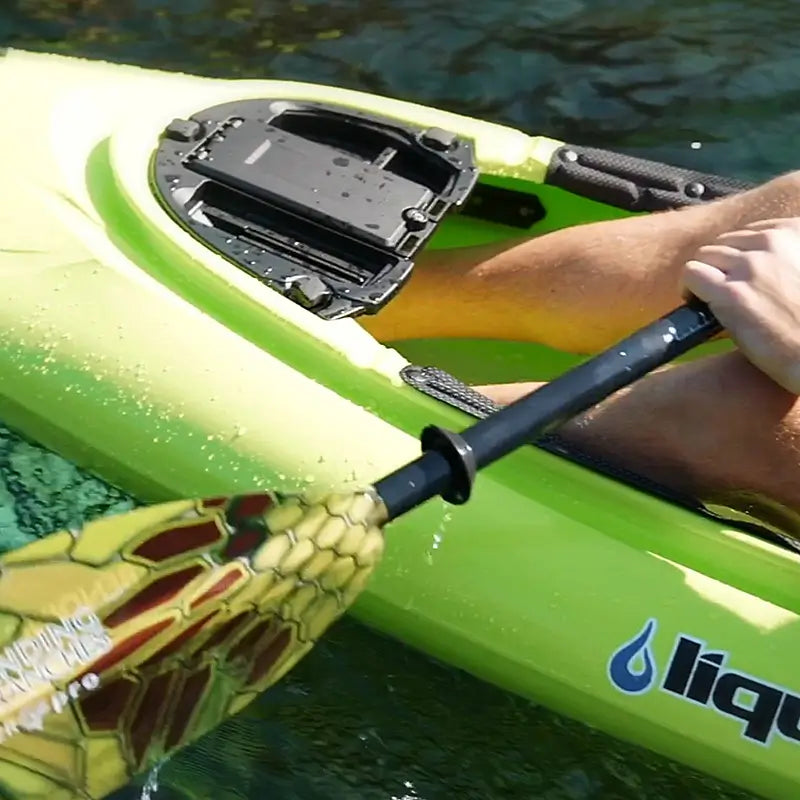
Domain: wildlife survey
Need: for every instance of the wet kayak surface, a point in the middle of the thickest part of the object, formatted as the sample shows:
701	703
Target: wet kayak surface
712	87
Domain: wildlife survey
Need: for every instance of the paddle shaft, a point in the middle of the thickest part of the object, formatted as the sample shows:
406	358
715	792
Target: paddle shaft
439	470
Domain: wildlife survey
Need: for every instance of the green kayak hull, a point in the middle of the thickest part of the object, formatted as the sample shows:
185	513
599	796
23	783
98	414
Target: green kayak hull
132	349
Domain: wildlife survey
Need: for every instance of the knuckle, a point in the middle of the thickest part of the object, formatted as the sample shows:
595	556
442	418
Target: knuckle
782	238
772	238
758	261
736	293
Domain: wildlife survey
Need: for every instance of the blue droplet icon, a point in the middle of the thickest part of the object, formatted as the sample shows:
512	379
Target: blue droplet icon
631	667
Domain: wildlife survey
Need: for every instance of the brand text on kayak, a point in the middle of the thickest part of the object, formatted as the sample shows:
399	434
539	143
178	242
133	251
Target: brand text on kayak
699	675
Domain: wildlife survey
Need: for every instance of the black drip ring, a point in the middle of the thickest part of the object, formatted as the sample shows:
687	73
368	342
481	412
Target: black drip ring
459	455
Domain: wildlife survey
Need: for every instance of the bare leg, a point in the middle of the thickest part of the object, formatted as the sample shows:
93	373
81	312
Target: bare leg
578	289
707	428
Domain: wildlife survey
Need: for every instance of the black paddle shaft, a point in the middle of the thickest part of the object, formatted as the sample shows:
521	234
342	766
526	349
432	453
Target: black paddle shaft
448	465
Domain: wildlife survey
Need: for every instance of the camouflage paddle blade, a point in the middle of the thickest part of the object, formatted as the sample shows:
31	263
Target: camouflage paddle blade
129	639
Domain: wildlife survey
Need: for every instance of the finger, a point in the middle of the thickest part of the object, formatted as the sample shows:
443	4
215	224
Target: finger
723	257
777	222
745	240
703	280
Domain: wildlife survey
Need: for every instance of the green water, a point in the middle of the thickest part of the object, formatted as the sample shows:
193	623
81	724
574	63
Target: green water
708	84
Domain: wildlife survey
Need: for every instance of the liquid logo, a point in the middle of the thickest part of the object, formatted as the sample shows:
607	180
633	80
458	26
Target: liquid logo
698	675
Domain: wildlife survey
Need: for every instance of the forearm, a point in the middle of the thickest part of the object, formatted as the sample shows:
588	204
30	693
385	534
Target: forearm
578	289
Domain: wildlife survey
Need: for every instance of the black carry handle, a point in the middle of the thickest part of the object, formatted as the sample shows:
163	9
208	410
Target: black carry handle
450	460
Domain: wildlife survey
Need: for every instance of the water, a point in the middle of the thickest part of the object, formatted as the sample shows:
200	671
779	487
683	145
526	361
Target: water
708	85
650	78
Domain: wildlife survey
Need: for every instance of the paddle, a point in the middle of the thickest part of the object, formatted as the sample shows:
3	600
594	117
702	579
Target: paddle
144	630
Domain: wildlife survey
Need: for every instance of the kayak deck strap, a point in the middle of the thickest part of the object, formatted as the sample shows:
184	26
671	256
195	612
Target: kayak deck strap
634	184
446	388
439	384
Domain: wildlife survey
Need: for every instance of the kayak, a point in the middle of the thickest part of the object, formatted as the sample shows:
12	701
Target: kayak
185	265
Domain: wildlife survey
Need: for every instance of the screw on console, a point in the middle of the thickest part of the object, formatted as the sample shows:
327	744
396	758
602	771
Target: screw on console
415	218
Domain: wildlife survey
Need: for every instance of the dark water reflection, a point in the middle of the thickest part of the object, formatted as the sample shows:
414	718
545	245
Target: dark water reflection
648	77
363	718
